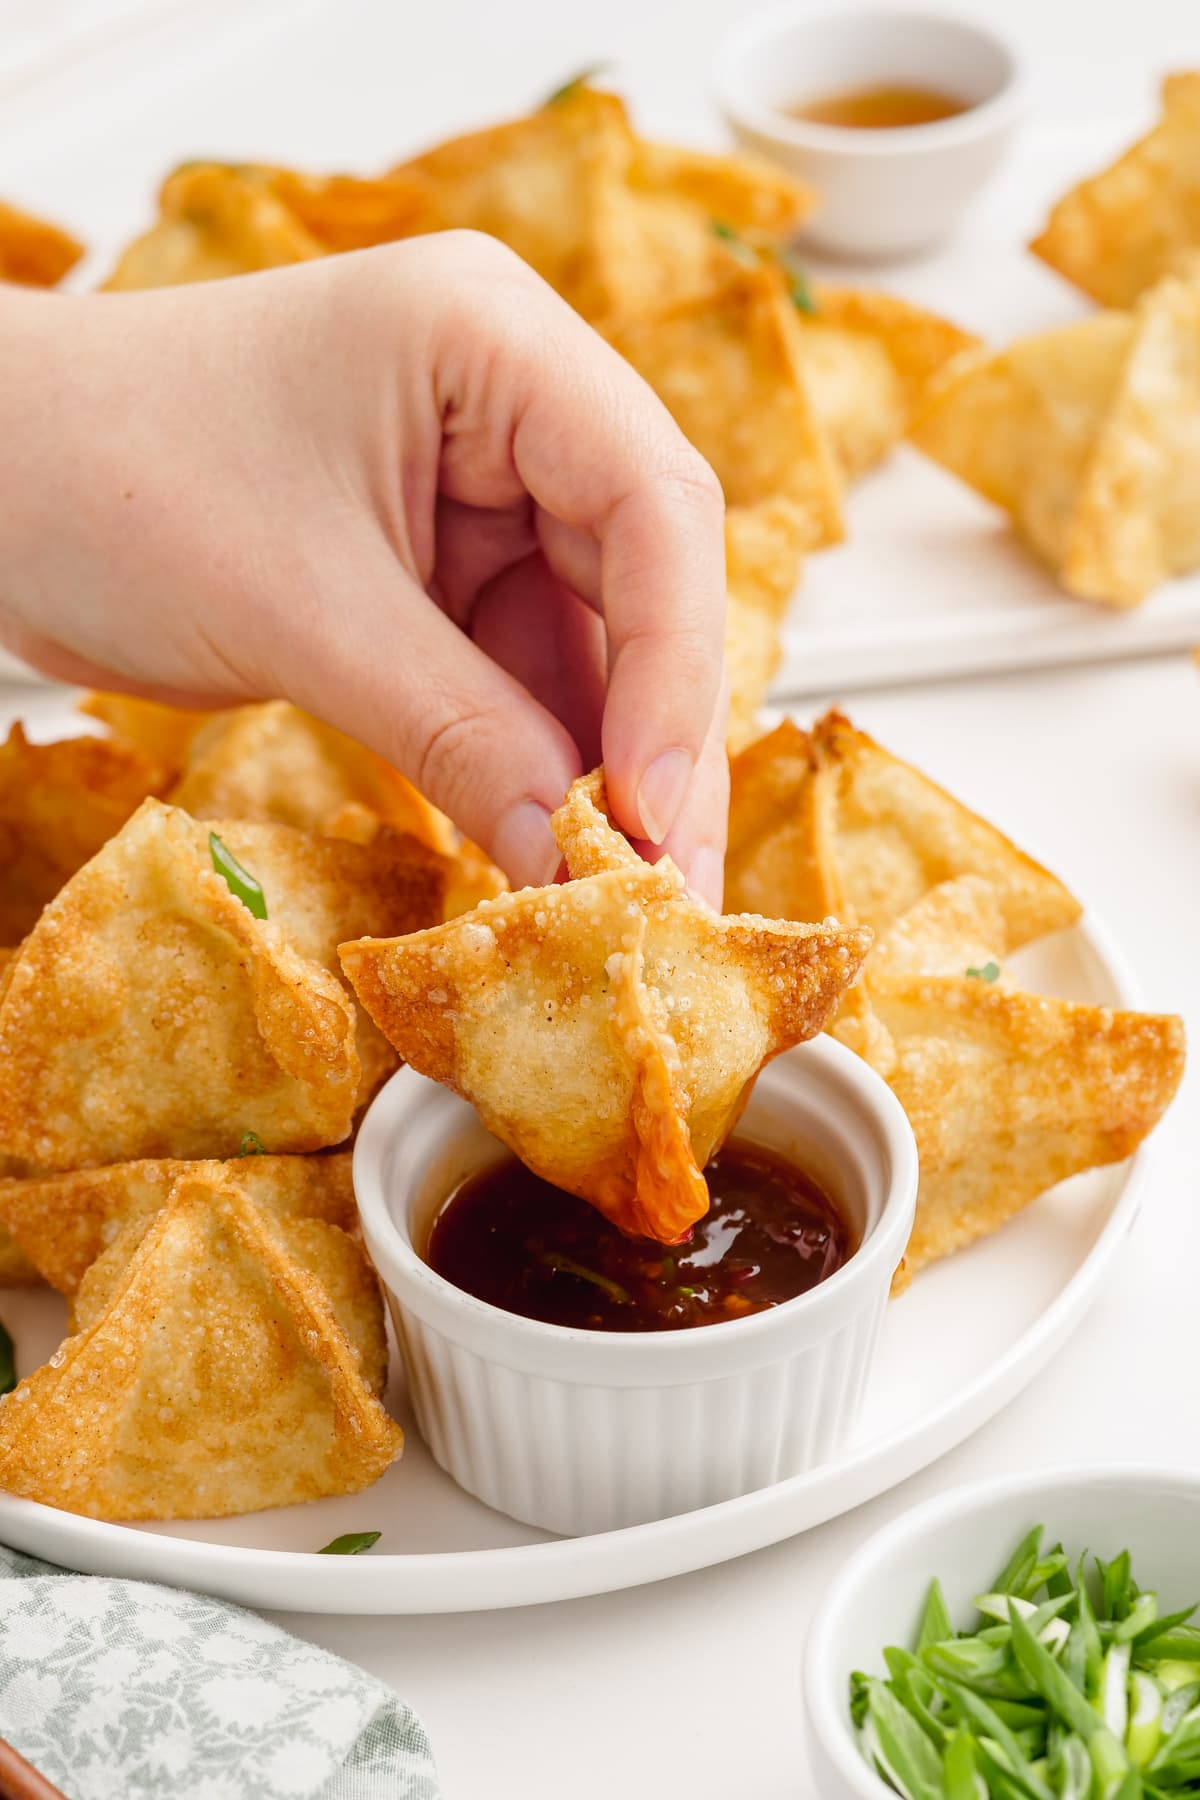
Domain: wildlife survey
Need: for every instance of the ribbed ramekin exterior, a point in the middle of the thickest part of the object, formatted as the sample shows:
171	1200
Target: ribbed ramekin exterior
577	1458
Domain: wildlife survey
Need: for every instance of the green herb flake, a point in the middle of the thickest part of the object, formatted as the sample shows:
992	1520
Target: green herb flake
239	881
796	277
351	1543
583	78
735	243
8	1363
566	1265
989	972
251	1145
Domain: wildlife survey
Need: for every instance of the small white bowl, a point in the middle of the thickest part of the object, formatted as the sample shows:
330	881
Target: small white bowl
584	1431
963	1537
883	193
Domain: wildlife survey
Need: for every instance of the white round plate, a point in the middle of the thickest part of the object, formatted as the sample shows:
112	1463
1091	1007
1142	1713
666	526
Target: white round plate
960	1344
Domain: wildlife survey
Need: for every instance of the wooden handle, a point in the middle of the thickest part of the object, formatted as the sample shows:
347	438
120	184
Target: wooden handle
19	1780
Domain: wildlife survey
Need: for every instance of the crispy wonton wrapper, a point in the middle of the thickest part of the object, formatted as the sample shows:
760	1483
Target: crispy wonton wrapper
64	1222
277	764
729	366
1121	231
829	821
1089	438
214	221
867	359
32	252
608	1030
1007	1092
150	1014
58	803
227	1359
764	554
161	731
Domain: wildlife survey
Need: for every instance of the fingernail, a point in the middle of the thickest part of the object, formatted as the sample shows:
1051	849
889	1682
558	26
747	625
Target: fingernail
524	845
706	878
661	791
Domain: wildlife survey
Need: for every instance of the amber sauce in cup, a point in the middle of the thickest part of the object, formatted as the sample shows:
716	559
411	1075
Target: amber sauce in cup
771	1232
880	108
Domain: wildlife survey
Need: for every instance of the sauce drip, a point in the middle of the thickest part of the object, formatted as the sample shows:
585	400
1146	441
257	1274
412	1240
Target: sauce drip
771	1232
883	108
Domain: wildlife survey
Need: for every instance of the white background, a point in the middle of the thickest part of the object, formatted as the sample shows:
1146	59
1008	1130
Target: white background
691	1687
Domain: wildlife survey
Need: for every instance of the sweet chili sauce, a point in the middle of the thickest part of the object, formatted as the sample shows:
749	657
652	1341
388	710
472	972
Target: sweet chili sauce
771	1232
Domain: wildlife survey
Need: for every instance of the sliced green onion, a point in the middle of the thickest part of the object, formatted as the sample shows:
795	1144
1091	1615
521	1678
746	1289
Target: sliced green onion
583	78
239	881
351	1543
251	1145
566	1265
936	1623
989	972
1145	1718
900	1747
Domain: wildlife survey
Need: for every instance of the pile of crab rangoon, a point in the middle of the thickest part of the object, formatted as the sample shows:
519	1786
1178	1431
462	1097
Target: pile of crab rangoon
225	931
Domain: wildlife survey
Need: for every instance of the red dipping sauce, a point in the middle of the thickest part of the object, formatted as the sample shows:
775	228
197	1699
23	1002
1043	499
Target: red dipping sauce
771	1232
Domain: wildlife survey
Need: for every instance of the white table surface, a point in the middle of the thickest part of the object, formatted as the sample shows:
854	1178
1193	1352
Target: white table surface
691	1687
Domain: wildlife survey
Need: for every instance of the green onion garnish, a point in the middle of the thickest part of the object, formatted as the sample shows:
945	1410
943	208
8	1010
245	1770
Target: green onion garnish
989	972
351	1543
570	88
251	1145
566	1265
736	243
240	882
799	292
1071	1687
8	1363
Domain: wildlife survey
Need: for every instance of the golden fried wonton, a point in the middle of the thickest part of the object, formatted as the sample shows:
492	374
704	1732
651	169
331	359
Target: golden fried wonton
829	821
764	553
614	223
1122	230
214	220
1009	1093
1006	1092
1089	437
150	1013
227	1360
64	1222
161	731
275	763
729	366
867	358
32	252
58	803
608	1030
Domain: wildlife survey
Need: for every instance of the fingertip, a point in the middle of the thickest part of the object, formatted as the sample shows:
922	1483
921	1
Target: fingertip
523	845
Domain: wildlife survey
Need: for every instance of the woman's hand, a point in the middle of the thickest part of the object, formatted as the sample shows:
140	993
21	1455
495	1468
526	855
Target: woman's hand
408	489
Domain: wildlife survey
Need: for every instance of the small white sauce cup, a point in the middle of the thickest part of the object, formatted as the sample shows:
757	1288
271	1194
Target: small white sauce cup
883	193
583	1431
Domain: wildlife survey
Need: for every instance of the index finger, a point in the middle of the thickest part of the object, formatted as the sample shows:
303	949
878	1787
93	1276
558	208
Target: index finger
551	410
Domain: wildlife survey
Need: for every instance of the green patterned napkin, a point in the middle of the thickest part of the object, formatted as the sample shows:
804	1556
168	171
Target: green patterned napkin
120	1689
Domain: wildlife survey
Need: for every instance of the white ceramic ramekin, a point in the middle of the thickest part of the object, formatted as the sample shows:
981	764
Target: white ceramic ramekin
583	1431
882	193
963	1537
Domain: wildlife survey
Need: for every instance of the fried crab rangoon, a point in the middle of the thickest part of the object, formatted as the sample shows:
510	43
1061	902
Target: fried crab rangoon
64	1223
226	1358
150	1013
608	1030
58	804
1007	1092
1089	437
1122	230
34	253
